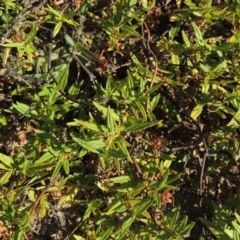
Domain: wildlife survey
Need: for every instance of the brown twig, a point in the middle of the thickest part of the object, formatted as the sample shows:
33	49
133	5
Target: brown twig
150	50
50	184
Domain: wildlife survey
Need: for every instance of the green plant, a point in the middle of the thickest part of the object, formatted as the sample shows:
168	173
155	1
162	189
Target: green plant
225	221
120	116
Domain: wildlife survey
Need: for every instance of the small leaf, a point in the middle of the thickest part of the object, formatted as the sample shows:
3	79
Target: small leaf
186	40
106	234
188	228
198	34
7	162
174	31
137	190
178	2
120	179
87	212
110	121
44	158
104	111
154	102
32	34
88	125
69	40
173	178
141	109
126	224
62	79
57	169
196	111
140	125
122	145
23	108
182	224
114	207
116	154
86	53
5	177
173	217
76	237
66	166
53	11
142	206
221	114
11	45
5	55
57	28
216	230
162	183
131	31
91	146
175	59
220	67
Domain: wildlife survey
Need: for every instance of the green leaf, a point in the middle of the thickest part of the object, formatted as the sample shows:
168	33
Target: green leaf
126	224
154	102
163	181
141	109
236	226
5	177
63	77
116	154
45	157
91	146
105	110
23	108
140	125
69	40
142	206
87	212
11	45
76	237
197	111
7	162
38	167
131	31
220	67
90	56
188	228
198	34
115	206
221	114
137	190
235	120
216	230
120	179
122	145
106	234
88	125
173	178
110	121
181	224
175	59
173	217
237	217
186	40
66	166
6	55
174	31
57	168
57	28
32	34
53	11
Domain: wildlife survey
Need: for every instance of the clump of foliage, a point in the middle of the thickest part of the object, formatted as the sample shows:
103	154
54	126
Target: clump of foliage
120	119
